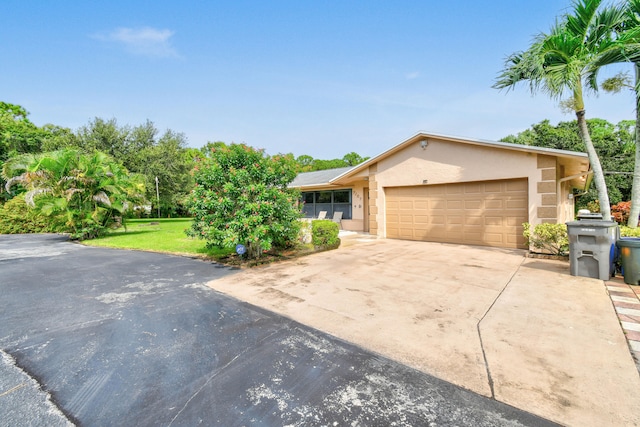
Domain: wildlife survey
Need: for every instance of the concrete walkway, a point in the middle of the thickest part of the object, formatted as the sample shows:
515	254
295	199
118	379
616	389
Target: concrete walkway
490	320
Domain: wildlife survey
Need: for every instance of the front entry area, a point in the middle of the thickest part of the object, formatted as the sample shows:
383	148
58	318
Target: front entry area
487	213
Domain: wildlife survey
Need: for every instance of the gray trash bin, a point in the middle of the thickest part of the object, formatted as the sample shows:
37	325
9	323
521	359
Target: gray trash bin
592	248
629	249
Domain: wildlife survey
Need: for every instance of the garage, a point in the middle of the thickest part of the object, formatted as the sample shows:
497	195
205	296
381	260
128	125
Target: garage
451	189
487	213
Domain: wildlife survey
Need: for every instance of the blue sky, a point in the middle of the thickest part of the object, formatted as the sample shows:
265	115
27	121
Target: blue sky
322	78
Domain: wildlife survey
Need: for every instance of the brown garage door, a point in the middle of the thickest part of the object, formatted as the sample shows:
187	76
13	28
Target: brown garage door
488	213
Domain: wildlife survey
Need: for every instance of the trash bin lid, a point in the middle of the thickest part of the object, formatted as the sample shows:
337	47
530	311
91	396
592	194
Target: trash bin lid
592	223
628	242
589	215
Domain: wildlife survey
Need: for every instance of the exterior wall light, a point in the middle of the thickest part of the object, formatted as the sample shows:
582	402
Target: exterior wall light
424	143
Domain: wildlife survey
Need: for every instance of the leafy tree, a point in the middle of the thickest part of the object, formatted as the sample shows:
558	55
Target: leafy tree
84	192
613	143
212	146
241	197
560	61
353	158
319	165
140	151
305	163
57	137
17	133
168	160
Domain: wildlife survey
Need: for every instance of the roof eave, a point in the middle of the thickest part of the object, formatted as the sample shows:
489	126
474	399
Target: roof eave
423	135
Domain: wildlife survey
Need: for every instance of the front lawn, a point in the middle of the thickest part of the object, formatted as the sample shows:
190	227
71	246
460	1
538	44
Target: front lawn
158	235
167	235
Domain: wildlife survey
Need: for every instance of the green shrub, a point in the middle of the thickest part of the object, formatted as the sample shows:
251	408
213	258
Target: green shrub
241	196
17	218
552	238
324	233
629	232
304	235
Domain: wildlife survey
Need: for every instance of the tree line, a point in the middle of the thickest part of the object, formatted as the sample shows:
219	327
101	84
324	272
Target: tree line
153	157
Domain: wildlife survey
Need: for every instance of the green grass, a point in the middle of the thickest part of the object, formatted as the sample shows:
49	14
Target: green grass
158	235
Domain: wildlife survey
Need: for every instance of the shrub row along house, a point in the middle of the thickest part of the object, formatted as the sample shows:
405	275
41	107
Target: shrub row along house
448	189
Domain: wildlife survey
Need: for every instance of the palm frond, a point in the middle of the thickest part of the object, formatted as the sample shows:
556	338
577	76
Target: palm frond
30	196
69	193
101	197
580	22
13	181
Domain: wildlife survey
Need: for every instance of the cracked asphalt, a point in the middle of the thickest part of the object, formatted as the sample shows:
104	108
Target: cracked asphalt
102	337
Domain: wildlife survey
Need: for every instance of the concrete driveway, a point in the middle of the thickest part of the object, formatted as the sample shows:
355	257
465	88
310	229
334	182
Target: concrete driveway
520	330
103	337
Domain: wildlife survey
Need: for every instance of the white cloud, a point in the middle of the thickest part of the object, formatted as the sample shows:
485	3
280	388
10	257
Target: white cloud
145	41
412	75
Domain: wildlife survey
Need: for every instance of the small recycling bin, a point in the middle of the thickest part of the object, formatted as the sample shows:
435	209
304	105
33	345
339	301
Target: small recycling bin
629	250
592	248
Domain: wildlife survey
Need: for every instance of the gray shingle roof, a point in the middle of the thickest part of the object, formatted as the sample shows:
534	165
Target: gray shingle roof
308	179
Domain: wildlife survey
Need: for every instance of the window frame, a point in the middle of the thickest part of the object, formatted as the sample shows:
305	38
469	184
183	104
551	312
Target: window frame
311	210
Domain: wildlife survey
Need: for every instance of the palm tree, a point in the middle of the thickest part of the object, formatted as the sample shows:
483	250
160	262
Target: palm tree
558	63
86	191
625	48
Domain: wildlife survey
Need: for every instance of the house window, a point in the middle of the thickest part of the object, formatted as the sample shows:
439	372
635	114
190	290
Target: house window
330	201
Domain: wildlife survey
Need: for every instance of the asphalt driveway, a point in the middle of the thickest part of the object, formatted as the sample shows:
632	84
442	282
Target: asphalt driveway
106	337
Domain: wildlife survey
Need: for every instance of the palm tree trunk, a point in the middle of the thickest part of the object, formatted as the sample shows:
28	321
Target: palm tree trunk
635	188
598	175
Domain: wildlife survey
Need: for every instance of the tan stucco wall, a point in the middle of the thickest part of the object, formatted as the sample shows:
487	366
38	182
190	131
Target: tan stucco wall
356	223
448	162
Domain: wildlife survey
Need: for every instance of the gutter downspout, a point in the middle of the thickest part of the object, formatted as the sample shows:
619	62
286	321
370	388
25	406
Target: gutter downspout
586	185
589	175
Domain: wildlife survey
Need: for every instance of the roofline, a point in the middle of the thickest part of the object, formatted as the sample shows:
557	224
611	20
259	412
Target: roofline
481	142
322	184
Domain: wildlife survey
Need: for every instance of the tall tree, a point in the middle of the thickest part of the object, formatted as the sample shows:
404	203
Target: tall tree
613	143
354	158
169	161
140	150
558	63
626	48
17	133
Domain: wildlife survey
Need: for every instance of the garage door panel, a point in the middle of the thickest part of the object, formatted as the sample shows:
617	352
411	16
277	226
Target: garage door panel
421	204
480	213
406	219
516	204
455	204
519	186
494	187
493	221
515	221
454	219
420	219
473	188
494	237
473	220
494	204
437	220
473	204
